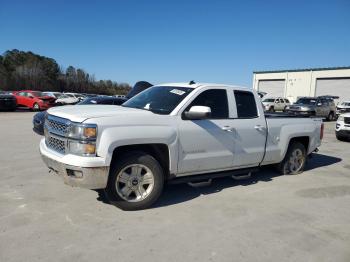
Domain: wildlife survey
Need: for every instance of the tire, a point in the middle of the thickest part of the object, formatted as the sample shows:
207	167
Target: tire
135	181
340	137
330	116
290	165
36	107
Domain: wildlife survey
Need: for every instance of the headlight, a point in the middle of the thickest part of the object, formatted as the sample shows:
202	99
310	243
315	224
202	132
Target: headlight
83	131
81	148
287	107
341	118
304	108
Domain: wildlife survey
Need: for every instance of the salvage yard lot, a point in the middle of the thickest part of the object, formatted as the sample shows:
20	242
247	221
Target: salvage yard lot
265	218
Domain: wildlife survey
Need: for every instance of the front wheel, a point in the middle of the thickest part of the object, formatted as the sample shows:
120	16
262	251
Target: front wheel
294	161
135	181
36	107
340	137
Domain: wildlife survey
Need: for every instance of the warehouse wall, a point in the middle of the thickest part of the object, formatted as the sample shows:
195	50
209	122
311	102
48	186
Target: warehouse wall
301	83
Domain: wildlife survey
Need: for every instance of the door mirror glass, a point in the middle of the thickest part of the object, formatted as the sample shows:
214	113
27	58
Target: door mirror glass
198	113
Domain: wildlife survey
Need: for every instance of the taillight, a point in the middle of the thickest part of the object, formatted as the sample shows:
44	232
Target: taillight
322	131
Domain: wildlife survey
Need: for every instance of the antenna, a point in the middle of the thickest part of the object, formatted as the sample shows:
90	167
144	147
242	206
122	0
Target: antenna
192	82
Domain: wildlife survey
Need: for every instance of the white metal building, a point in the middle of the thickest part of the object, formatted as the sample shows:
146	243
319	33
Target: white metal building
304	82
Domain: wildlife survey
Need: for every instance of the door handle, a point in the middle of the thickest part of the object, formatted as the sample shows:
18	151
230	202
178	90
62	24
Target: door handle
228	128
259	128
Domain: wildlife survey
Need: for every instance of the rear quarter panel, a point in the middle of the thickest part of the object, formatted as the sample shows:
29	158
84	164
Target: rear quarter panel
282	130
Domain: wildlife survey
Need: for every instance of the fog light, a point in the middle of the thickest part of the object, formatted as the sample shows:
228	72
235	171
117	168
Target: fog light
74	173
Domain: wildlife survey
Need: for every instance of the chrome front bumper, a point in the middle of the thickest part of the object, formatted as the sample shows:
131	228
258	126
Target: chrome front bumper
85	177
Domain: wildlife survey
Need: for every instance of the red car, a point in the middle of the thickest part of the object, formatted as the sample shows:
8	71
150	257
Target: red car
34	100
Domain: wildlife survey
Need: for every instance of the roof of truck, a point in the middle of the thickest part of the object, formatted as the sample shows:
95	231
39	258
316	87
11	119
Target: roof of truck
196	85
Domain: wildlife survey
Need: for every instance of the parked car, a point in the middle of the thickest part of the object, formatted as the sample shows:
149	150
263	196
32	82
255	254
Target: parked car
34	100
8	102
102	100
273	104
80	97
342	127
343	108
62	99
322	106
172	133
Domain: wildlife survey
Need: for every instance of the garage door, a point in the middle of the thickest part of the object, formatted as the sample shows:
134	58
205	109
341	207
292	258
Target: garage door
335	87
272	87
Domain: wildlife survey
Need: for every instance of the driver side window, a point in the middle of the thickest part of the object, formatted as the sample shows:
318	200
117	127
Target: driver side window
216	99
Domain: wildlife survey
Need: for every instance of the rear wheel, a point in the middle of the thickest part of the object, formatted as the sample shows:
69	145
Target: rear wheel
294	161
135	181
36	107
330	116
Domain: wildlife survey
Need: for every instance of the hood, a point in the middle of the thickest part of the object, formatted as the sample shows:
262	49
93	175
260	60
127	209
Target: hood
67	100
80	113
5	96
46	98
342	107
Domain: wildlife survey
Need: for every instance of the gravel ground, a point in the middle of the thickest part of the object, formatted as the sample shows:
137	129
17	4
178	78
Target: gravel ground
265	218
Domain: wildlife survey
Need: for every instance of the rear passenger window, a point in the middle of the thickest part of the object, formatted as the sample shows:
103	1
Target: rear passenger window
245	102
287	101
216	99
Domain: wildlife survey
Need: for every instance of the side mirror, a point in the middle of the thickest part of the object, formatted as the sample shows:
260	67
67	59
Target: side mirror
30	96
198	113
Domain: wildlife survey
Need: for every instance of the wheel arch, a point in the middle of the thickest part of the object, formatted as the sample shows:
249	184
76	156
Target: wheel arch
157	150
304	140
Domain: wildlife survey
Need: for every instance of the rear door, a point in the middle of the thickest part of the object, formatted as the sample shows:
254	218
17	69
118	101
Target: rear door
207	145
249	130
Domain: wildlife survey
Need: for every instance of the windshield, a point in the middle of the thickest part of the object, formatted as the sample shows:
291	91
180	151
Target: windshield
159	99
306	101
269	100
36	93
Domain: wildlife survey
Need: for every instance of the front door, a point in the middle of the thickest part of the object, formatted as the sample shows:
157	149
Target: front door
207	145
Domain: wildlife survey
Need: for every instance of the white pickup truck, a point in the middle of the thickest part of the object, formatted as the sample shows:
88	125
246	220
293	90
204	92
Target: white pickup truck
172	133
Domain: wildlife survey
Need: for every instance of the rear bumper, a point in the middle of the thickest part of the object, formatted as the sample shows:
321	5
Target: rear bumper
301	113
91	177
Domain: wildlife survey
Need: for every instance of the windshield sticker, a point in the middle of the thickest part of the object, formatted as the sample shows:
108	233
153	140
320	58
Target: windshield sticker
177	92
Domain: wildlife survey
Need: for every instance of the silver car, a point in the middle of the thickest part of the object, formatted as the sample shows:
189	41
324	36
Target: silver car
322	106
273	104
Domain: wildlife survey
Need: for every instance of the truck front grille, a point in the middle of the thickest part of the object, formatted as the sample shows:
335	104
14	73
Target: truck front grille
56	144
57	125
56	129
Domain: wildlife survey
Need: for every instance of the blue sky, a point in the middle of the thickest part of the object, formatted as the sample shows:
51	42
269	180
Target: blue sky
171	41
